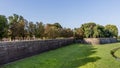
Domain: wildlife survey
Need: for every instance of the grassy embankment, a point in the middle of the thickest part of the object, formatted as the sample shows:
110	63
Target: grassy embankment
73	56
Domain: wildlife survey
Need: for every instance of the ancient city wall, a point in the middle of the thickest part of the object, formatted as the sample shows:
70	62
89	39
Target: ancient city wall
11	51
95	41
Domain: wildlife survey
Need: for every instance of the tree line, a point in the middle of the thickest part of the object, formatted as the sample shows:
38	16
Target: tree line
93	30
17	27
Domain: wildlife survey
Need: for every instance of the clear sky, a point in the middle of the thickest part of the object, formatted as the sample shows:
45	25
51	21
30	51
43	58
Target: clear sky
69	13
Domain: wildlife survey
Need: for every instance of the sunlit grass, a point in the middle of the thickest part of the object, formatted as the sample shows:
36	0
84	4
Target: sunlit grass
117	53
73	56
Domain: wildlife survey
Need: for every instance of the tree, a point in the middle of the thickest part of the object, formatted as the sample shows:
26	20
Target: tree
51	31
98	31
17	26
13	25
112	29
57	25
31	29
39	30
22	27
119	37
87	28
78	33
91	30
66	33
3	26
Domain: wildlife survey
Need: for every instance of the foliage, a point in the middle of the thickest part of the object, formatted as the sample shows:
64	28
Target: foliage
66	32
87	28
118	37
31	29
112	29
51	31
78	33
91	30
57	25
22	28
17	27
3	26
98	31
55	30
39	30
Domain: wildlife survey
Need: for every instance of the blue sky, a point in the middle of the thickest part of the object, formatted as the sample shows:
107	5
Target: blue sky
69	13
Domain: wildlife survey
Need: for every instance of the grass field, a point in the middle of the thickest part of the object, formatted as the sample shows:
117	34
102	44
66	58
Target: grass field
73	56
117	53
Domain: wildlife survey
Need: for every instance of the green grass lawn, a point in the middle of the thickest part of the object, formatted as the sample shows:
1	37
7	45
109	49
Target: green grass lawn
117	53
73	56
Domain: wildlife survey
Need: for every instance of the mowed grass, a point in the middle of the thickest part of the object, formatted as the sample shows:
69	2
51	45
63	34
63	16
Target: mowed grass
73	56
117	53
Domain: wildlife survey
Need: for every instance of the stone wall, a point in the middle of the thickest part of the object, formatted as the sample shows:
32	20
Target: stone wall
95	41
11	51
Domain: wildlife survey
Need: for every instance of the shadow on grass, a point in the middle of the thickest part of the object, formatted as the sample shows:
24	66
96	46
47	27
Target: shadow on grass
72	56
81	57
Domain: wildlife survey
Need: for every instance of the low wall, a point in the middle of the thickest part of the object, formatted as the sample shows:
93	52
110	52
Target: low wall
11	51
99	40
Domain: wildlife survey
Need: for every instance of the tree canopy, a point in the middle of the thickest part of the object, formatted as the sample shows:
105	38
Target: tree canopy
112	29
3	26
92	30
17	27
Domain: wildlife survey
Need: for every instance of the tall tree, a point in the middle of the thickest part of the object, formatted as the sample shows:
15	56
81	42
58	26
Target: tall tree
31	29
67	32
16	26
99	31
118	37
39	30
57	25
112	29
87	28
3	26
22	27
78	33
13	25
51	31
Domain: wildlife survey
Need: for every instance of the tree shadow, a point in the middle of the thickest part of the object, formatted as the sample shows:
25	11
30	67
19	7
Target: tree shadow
82	57
72	56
